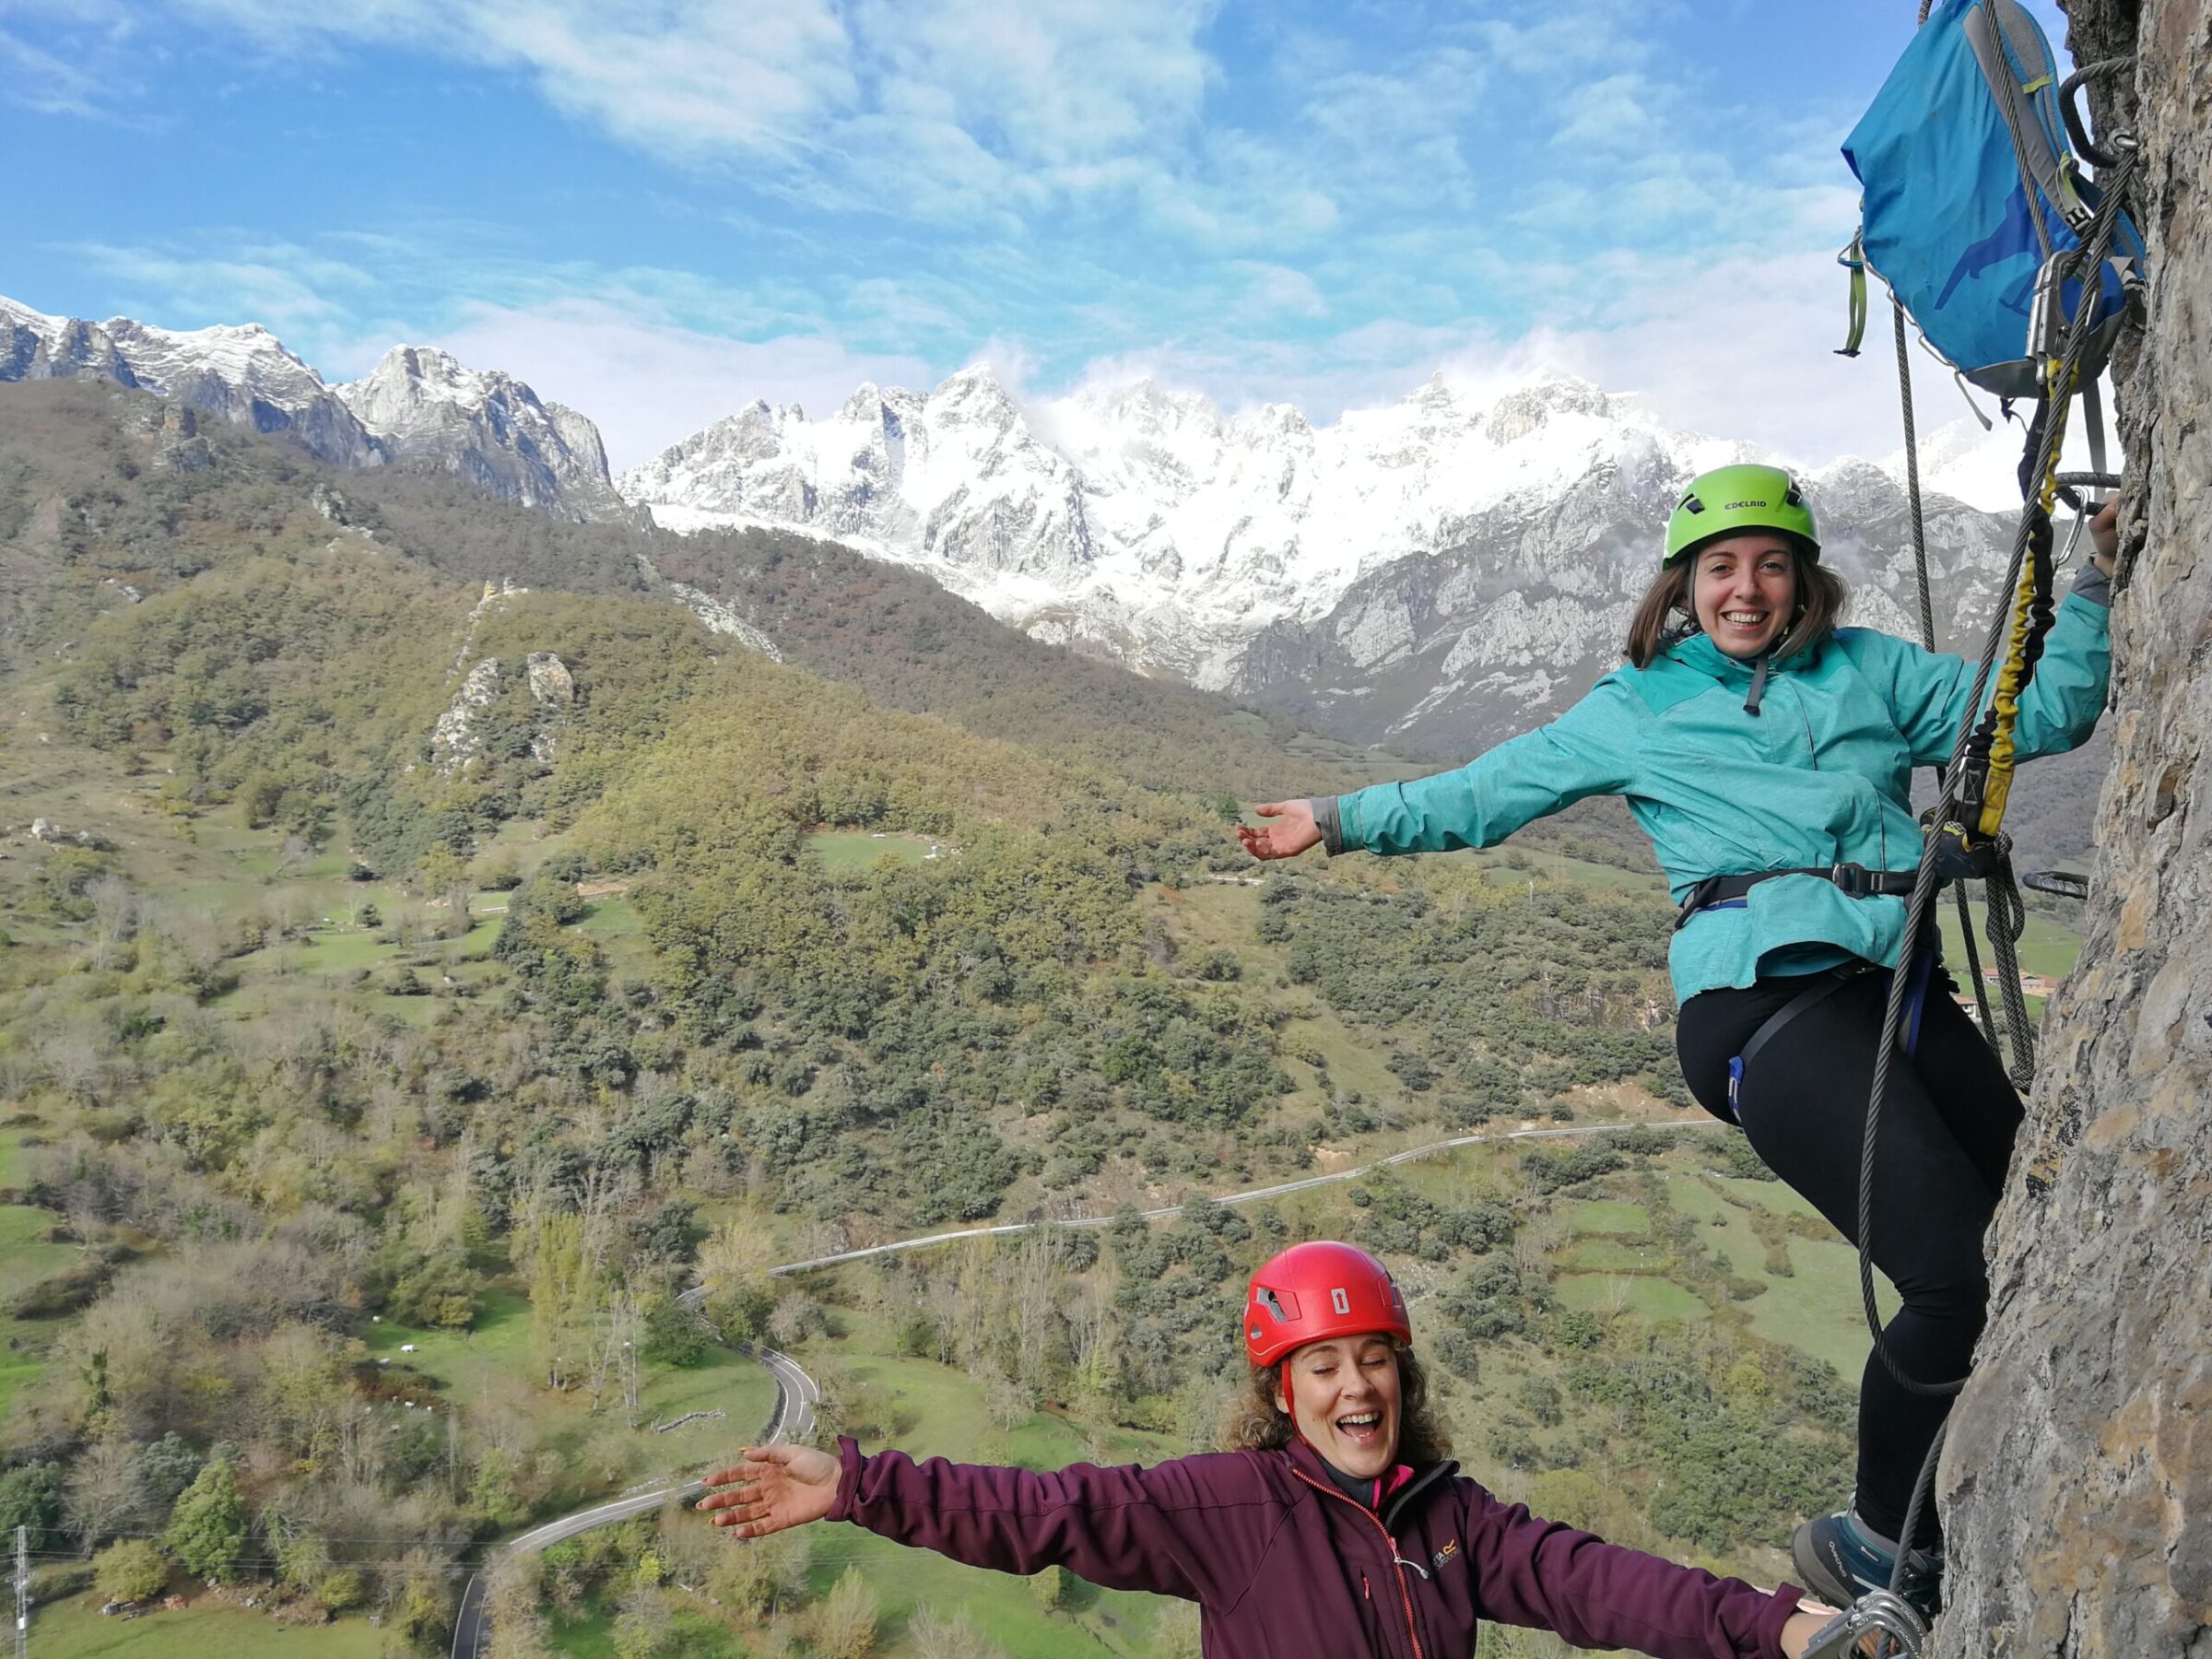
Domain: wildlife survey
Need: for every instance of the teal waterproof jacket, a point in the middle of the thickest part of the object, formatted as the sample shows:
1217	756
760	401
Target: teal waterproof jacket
1820	775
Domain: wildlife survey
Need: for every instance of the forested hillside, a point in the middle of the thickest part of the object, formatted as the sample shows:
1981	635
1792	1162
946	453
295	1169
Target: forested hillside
427	948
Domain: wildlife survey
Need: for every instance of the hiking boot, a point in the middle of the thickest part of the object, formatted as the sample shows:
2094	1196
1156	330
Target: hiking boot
1840	1558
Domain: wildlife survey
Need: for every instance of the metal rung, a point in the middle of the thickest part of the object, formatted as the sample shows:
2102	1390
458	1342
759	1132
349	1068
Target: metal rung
1893	1621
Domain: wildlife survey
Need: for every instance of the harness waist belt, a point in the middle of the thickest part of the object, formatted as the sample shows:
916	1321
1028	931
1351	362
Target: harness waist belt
1855	881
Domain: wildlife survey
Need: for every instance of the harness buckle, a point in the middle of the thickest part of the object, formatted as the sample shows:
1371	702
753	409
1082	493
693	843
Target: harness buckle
1853	880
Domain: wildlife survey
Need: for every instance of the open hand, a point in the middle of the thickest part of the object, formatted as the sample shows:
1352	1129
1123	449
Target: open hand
774	1488
1294	831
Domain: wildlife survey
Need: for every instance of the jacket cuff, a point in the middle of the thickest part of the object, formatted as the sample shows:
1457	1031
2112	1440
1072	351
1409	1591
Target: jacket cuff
1329	821
2093	584
848	1481
1780	1608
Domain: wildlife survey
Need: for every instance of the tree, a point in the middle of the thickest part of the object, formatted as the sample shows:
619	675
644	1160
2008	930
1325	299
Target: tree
645	1628
845	1621
131	1570
513	1602
100	1499
674	1333
1049	1588
418	1616
207	1530
934	1635
441	1292
31	1496
160	1472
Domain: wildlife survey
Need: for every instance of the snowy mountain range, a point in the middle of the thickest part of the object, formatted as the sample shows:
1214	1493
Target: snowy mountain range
417	407
1433	573
1444	567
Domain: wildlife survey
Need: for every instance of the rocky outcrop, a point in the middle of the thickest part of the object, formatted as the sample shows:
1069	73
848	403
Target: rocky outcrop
430	411
459	739
418	407
2078	1483
244	374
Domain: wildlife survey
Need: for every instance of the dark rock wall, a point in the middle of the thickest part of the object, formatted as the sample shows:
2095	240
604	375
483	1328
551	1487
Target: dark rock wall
2078	1483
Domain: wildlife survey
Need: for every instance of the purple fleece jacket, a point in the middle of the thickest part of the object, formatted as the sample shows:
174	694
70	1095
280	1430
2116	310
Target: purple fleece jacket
1283	1563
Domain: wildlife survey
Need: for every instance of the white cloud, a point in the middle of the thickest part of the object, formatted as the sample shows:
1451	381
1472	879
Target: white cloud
929	108
43	82
650	385
1055	85
690	78
311	302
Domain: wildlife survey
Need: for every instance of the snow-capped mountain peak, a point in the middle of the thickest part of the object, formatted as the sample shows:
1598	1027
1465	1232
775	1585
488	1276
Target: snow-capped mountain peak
420	405
244	355
14	312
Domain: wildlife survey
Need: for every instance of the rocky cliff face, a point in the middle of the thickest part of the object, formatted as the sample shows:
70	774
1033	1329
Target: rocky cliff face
2077	1482
244	374
429	410
418	409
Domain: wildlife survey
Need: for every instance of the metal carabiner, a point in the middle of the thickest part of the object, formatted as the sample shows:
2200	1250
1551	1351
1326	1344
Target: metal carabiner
1877	1613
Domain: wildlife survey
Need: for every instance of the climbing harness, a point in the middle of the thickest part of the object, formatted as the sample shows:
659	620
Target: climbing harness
1853	880
1819	987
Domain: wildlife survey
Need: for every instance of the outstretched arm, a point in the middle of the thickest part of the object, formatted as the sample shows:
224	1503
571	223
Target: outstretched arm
1194	1527
1596	1595
1589	749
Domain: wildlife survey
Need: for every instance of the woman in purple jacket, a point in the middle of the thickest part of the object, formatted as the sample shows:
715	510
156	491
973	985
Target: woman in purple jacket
1337	1526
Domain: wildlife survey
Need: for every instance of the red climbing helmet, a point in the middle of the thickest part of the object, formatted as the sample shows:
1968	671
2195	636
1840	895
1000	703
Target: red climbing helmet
1312	1292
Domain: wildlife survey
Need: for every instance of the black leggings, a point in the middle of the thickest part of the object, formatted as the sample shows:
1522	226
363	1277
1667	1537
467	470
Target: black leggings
1947	1135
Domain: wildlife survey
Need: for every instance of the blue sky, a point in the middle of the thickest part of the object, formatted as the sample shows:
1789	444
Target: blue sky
658	211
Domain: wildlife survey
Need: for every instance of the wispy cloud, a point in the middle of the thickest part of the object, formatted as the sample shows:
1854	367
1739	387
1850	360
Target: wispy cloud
48	83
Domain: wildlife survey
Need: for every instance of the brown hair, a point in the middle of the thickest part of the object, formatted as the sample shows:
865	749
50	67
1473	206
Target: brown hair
1258	1423
1821	596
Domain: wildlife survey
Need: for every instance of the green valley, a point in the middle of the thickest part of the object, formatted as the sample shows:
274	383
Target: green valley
427	950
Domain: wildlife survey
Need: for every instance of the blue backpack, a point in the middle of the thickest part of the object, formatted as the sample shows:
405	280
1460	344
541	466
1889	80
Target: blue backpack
1971	191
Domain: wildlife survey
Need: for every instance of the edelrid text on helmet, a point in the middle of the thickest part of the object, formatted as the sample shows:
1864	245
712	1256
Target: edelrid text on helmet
1312	1292
1729	500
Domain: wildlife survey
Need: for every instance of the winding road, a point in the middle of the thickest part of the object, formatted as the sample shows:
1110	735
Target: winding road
1256	1195
797	1394
792	1418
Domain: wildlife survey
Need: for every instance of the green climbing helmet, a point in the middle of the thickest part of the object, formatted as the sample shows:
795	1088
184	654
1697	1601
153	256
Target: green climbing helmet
1730	499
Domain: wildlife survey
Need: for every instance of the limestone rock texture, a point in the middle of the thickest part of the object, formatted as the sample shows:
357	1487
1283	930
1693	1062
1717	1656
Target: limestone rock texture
2077	1485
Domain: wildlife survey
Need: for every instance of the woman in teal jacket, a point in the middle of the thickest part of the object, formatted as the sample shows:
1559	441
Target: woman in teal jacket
1751	737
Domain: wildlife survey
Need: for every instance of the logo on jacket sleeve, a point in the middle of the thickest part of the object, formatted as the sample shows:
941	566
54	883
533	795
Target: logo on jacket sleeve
1449	1552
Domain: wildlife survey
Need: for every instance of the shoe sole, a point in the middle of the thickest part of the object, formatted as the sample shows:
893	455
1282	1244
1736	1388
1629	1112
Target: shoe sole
1821	1578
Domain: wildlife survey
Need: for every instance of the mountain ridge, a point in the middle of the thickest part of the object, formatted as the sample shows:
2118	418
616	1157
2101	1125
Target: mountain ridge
417	407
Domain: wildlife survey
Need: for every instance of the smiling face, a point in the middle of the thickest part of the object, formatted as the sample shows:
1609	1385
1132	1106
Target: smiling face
1346	1396
1745	590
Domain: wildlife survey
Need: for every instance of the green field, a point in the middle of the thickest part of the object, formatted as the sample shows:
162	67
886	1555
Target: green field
1642	1296
25	1259
1605	1216
2046	948
1823	1315
859	850
490	1364
74	1629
